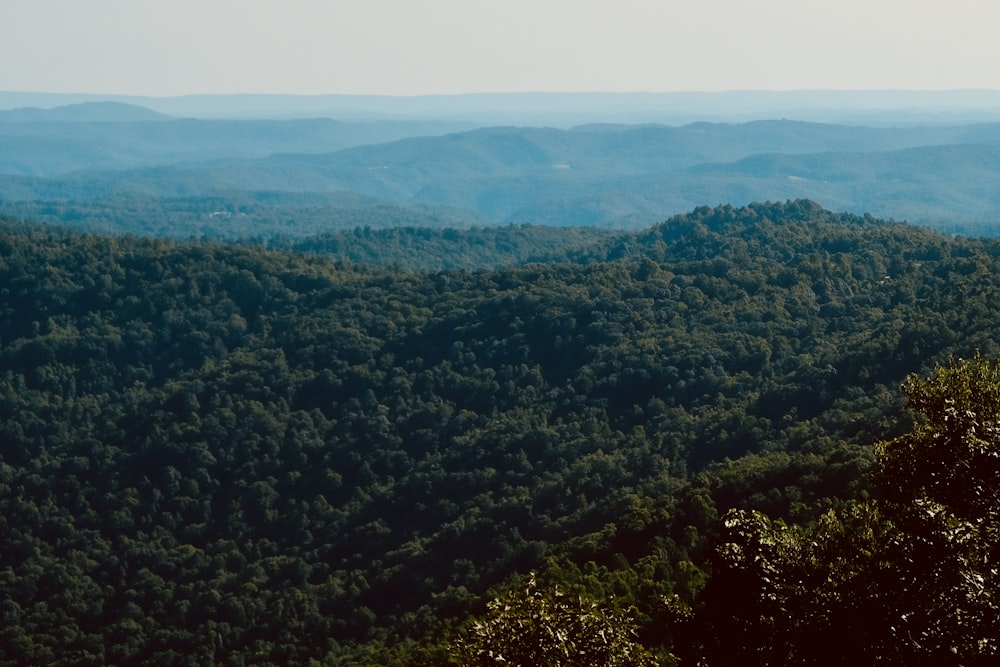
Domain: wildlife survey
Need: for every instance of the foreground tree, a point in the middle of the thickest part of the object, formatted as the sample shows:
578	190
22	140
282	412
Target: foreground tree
547	627
952	457
908	579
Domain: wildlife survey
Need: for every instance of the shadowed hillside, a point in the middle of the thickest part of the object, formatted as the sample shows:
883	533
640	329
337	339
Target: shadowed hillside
223	453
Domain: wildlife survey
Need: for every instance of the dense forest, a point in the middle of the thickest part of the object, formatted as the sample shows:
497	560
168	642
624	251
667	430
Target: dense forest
226	454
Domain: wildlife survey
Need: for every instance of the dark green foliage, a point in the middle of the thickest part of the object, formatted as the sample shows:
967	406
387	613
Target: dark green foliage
549	627
421	249
907	579
264	217
951	458
220	452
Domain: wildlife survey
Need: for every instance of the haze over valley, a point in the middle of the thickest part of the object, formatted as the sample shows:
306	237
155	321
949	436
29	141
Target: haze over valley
95	164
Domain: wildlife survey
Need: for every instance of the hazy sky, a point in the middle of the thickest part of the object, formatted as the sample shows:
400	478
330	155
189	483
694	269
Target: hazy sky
407	47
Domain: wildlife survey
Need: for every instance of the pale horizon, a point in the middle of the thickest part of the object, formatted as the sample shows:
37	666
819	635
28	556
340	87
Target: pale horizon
454	47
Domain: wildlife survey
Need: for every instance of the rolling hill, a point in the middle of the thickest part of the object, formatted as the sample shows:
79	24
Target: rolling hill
620	176
215	452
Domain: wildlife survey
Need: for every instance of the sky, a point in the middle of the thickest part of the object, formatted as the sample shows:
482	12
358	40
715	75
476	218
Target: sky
416	47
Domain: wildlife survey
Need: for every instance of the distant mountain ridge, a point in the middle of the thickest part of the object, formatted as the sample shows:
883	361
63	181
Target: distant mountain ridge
48	143
608	175
565	109
89	112
621	161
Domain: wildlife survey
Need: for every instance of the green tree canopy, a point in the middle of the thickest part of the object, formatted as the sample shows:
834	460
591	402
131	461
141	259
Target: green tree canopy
909	578
952	456
538	626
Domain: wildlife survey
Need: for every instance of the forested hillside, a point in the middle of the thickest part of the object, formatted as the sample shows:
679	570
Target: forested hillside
224	454
416	249
260	215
